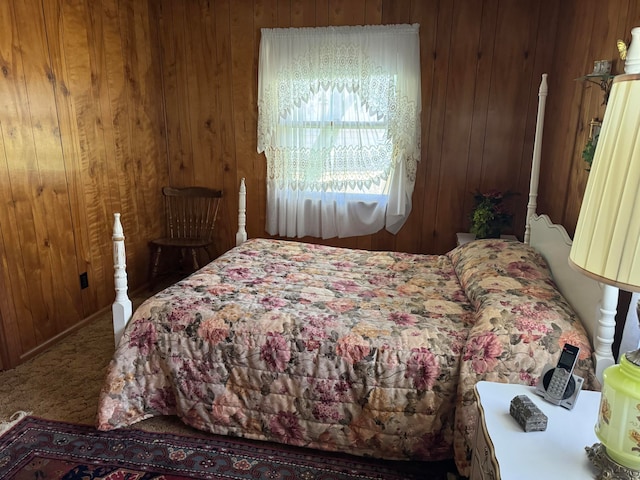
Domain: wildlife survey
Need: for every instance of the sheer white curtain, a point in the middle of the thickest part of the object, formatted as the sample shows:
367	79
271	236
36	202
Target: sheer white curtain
339	122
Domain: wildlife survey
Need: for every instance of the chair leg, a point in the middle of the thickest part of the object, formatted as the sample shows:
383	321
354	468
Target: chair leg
194	257
154	265
209	254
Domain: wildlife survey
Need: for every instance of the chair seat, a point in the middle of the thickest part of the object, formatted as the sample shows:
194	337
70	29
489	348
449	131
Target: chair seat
181	242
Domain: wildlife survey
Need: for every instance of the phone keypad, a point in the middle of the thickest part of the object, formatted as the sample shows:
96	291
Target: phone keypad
558	383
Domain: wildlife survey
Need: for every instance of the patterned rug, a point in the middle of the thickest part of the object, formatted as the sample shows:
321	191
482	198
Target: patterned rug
43	449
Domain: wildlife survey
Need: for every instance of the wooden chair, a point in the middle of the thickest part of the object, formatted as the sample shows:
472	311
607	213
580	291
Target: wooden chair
190	215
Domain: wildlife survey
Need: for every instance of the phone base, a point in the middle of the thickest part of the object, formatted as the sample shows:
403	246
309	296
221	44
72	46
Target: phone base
608	468
570	396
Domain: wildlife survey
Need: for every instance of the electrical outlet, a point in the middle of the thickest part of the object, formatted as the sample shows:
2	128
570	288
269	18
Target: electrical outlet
84	280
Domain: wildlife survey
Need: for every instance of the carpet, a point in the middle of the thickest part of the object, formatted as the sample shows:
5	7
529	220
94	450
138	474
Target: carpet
35	448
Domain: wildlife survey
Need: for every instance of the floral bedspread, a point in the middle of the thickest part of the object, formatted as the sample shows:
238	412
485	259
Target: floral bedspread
371	353
308	345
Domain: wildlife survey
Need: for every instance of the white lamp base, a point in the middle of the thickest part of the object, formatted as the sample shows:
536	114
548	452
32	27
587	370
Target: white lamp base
608	468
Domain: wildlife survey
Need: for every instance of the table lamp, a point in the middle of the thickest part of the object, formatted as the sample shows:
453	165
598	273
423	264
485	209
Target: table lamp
606	247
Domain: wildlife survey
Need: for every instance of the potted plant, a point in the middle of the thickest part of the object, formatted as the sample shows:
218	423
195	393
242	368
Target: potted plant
489	216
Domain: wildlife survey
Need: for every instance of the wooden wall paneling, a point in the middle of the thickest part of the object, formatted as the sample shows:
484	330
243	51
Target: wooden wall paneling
483	78
109	91
82	77
11	278
563	106
322	13
510	86
25	207
60	289
632	18
208	163
397	11
433	154
411	237
203	90
70	140
172	27
245	25
545	46
347	12
373	11
9	334
145	170
283	13
303	13
196	75
531	81
601	44
228	223
458	118
4	362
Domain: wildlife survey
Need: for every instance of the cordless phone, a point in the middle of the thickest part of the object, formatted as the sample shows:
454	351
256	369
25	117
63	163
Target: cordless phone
563	371
558	385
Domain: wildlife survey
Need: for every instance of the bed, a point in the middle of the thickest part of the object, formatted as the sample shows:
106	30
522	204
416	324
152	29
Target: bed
365	352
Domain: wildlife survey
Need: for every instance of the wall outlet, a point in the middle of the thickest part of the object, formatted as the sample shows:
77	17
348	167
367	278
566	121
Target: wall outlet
84	280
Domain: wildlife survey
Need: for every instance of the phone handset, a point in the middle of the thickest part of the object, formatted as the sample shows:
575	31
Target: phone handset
558	385
562	373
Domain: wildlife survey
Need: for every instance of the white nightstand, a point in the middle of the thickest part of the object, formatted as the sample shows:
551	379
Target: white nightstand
465	237
503	450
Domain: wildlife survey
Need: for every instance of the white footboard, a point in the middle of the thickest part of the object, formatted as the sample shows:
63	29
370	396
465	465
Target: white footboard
241	236
121	308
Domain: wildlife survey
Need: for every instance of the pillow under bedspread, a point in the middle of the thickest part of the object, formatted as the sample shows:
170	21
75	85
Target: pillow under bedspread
522	322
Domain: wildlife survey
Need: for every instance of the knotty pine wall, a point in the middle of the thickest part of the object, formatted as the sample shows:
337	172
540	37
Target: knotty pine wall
104	101
82	135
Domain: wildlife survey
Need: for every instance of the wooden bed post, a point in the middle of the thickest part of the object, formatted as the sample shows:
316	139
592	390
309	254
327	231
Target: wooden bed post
535	163
121	308
606	329
241	236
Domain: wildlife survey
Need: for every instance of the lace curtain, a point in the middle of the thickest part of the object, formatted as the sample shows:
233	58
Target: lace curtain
339	123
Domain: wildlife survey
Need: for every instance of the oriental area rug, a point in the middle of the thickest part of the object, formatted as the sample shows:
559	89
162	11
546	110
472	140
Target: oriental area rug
41	449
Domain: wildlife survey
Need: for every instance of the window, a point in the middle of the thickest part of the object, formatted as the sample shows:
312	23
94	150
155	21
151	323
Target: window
339	125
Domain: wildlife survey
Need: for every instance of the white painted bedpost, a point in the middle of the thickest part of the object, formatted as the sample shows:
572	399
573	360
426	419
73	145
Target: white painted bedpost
241	236
606	329
537	152
121	308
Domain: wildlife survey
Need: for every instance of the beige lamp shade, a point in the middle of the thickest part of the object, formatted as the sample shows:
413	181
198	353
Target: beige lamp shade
606	244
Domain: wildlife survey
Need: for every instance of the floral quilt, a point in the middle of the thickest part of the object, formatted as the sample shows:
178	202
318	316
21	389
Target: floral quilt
521	324
371	353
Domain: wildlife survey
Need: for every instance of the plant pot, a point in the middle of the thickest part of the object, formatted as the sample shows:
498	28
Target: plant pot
493	233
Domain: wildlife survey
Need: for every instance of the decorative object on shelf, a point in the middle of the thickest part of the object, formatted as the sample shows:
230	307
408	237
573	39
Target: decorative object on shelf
590	146
622	49
601	76
601	67
606	247
489	216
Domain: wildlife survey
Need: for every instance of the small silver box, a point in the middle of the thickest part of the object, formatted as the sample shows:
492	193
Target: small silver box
527	414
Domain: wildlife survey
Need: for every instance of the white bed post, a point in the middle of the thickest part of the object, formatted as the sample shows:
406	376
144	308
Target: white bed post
535	163
606	329
121	308
241	236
